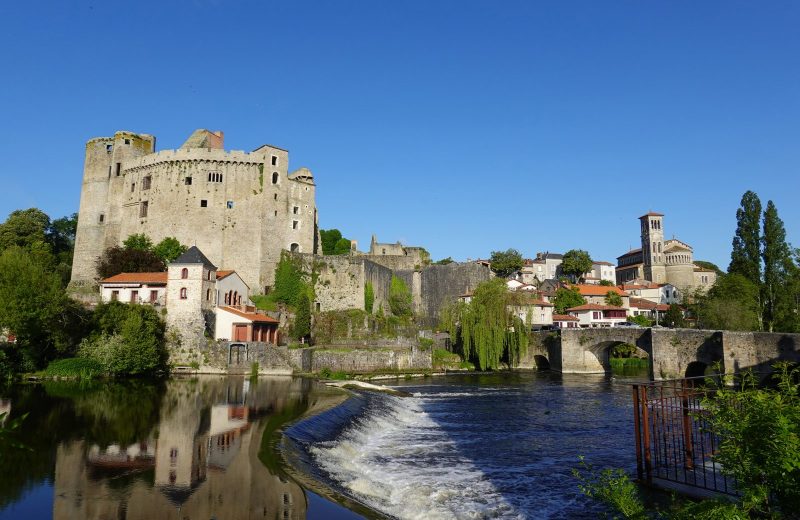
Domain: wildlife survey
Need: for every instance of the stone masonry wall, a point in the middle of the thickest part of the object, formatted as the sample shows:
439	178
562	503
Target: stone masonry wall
758	350
370	360
442	284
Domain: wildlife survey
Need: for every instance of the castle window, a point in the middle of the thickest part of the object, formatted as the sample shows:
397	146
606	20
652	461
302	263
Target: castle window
274	160
208	294
294	224
109	171
295	210
133	187
276	213
183	293
119	168
294	248
203	203
229	204
275	196
143	209
127	141
274	177
146	182
187	181
102	217
184	273
214	177
109	148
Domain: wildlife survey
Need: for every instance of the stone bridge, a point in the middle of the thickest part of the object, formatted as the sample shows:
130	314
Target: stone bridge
673	353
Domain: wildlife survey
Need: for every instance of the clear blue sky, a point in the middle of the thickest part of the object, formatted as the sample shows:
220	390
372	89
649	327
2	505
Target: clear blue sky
461	126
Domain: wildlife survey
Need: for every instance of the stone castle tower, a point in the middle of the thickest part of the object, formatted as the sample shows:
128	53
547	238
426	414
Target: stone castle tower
241	209
653	247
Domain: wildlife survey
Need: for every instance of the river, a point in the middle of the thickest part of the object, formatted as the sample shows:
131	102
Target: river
464	446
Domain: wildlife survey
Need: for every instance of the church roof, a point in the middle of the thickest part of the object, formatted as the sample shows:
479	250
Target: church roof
194	256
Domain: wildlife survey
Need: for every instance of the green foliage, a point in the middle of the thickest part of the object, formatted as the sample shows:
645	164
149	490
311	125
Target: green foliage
35	308
566	298
745	257
138	241
641	320
673	317
624	350
709	265
606	283
342	247
443	359
485	330
301	328
613	298
400	300
325	373
369	297
78	368
444	261
263	302
732	304
9	435
329	237
169	249
621	363
128	340
576	263
505	263
290	281
115	260
778	268
613	488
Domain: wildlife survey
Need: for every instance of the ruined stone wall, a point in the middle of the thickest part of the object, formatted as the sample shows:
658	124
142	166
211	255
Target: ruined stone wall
381	279
340	282
393	262
441	284
370	360
758	351
237	207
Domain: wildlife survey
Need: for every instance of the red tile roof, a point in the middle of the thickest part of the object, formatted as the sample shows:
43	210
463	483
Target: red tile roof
224	274
255	317
601	262
564	317
141	278
641	303
598	290
596	307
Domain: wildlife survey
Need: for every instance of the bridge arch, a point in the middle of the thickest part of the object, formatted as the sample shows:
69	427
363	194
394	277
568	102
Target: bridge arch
602	351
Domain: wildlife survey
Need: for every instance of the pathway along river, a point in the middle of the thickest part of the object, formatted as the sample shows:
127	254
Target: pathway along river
472	446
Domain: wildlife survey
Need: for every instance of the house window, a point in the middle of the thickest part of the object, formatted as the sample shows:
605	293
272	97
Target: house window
596	315
119	168
153	296
294	224
146	182
203	203
274	160
102	217
187	181
184	273
143	209
274	177
229	204
295	210
134	296
214	177
208	275
114	296
183	293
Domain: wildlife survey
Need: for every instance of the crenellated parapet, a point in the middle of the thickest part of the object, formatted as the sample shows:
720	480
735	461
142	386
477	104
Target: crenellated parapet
197	156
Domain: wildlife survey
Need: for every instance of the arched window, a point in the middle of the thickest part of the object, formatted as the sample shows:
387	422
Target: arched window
274	177
183	293
235	298
184	273
294	248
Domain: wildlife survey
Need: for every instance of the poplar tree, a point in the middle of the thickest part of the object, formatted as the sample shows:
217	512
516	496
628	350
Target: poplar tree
778	266
746	254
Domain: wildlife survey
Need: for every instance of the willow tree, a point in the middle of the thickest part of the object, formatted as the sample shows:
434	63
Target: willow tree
485	329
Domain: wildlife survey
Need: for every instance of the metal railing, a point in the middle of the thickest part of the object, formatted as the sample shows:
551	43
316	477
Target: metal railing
674	439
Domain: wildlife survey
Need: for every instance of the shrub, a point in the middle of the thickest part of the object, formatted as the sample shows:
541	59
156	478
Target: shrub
80	368
400	298
369	297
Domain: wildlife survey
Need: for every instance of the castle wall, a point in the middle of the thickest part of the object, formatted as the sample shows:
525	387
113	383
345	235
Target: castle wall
680	275
381	279
340	283
441	284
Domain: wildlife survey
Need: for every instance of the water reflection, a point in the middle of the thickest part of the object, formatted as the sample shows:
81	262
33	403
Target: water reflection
188	448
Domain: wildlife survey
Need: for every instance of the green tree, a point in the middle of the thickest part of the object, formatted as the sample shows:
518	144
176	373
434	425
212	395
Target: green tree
169	249
290	281
301	329
329	237
566	299
746	254
613	298
115	260
485	330
778	268
606	283
444	261
369	297
640	320
505	263
138	241
27	229
342	247
400	300
576	263
731	304
709	265
673	317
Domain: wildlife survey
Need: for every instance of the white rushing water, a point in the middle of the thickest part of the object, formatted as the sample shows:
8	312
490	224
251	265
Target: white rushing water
398	460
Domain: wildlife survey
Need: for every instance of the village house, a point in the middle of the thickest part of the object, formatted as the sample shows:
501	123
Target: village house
656	293
599	315
596	294
648	309
565	321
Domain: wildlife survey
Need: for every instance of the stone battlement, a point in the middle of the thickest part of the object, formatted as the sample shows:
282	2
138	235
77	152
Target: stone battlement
195	154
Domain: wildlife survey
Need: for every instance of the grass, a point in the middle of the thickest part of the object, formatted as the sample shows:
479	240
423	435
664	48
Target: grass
631	362
445	359
78	368
263	302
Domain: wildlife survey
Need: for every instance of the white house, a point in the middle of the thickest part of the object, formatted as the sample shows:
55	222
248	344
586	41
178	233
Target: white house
565	321
601	271
244	323
657	293
596	315
148	288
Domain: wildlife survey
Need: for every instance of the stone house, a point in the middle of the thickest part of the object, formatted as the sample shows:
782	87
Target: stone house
146	288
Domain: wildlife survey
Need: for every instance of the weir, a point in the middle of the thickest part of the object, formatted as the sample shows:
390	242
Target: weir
674	353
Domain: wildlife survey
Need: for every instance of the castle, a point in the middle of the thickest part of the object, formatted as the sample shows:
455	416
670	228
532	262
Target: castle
662	261
242	209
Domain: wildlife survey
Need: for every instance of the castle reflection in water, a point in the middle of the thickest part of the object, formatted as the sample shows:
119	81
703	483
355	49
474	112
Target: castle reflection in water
200	461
